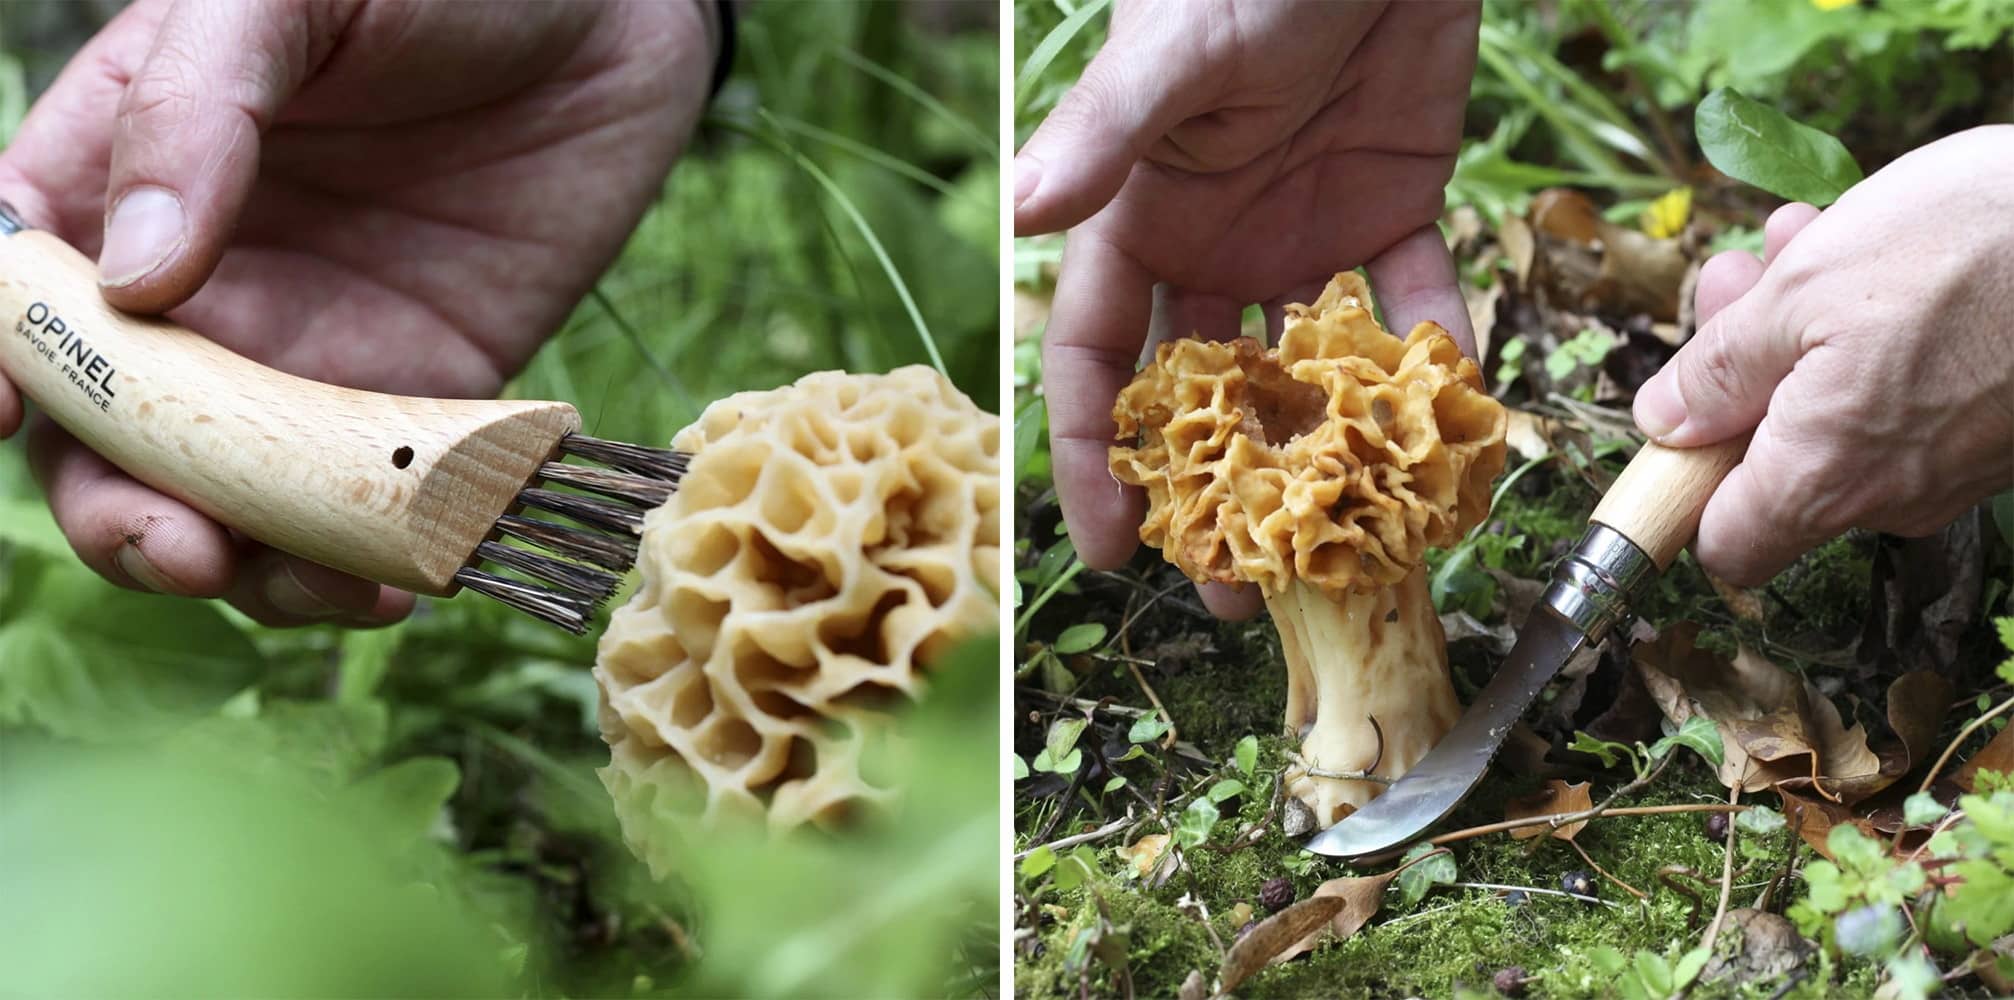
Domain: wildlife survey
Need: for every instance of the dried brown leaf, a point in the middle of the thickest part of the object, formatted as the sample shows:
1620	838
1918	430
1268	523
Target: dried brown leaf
1777	729
1276	939
1145	853
1556	797
1361	896
1813	819
1996	755
1194	987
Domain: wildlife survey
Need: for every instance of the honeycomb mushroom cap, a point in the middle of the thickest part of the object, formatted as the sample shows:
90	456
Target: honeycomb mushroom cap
1336	458
830	541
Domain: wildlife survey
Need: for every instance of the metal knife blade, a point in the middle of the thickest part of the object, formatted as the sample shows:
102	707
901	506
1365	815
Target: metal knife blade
1457	762
1647	515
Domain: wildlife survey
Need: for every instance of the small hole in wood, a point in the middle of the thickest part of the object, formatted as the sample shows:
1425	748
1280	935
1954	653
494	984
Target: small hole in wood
402	458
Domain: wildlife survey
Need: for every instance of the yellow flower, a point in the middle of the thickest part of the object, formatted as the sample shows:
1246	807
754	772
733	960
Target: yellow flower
1665	218
1833	4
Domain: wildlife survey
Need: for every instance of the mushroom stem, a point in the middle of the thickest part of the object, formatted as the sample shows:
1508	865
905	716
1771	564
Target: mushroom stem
1379	655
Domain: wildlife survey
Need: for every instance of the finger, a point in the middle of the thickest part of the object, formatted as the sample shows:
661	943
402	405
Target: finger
185	149
130	534
1724	277
1096	326
1720	382
1414	281
1135	90
282	591
1783	224
1746	534
1200	315
1232	604
10	409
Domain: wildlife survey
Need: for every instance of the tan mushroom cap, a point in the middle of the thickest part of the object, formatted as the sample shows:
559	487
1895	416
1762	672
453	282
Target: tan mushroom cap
831	540
1337	458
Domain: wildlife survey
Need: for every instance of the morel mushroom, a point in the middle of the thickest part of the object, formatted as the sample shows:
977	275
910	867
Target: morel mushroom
830	541
1321	471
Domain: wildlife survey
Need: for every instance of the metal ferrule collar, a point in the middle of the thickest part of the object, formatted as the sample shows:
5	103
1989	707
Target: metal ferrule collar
10	221
1596	582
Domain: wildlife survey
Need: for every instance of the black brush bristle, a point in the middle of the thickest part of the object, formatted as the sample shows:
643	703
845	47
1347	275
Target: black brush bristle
610	552
550	606
587	510
639	490
570	577
579	565
658	463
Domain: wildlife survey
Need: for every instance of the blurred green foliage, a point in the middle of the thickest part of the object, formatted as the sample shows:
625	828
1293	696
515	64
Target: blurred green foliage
191	804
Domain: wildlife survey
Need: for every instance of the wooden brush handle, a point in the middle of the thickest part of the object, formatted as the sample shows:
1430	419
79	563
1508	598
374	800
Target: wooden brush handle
1657	500
396	489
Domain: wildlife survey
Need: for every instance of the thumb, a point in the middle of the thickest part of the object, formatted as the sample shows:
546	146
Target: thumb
1720	382
185	148
1130	95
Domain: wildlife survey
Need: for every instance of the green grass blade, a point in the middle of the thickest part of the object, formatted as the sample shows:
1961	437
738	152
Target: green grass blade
635	339
1045	53
983	140
852	212
893	164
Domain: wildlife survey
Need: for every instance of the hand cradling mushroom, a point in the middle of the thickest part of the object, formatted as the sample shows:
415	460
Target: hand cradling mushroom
1321	471
830	541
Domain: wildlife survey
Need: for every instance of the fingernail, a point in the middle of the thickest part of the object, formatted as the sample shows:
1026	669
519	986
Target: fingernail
286	592
146	229
1659	409
1027	176
136	567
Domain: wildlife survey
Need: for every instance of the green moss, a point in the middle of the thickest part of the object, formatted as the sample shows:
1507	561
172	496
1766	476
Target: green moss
1455	937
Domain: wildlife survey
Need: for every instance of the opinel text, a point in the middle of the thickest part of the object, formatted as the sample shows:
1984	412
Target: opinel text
65	348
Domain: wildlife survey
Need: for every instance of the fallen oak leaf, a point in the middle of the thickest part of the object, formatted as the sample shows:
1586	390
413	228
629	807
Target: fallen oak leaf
1276	938
1361	896
1997	755
1814	818
1778	730
1555	798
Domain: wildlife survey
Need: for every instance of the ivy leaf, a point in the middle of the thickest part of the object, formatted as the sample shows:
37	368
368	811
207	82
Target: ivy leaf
1757	144
1418	877
1020	768
1038	862
1247	753
1078	638
1193	830
1699	733
1759	821
1147	729
1229	788
1117	782
1063	735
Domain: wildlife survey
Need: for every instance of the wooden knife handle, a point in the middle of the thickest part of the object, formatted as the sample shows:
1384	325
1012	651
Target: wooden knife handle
395	489
1657	500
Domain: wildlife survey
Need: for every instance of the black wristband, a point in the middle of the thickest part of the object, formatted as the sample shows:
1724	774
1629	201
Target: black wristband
723	61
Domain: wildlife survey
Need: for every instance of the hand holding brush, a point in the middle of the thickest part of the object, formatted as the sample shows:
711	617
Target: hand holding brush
399	198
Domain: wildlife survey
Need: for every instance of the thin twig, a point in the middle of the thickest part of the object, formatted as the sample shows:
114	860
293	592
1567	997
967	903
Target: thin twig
1316	772
1669	875
1536	889
1632	890
1726	877
1562	819
1082	838
1167	738
1959	740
